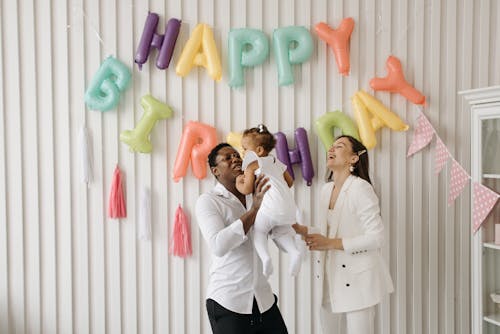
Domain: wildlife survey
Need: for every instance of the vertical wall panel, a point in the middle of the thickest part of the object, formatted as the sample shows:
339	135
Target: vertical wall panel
66	267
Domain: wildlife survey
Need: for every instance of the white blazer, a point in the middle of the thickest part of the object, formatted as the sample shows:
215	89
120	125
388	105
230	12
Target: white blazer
357	276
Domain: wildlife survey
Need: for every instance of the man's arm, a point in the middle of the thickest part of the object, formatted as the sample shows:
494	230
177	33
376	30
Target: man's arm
261	188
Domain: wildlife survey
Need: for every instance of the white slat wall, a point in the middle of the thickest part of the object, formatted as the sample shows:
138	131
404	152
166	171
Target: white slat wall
65	267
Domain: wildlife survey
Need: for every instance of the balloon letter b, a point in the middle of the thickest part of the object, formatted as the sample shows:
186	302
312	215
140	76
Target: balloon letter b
334	119
200	50
239	57
196	142
138	139
338	41
164	43
395	82
285	57
300	155
104	90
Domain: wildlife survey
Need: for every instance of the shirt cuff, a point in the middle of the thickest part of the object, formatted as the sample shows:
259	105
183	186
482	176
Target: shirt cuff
237	228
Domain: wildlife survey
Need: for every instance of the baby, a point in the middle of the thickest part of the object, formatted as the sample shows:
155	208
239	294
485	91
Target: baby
277	212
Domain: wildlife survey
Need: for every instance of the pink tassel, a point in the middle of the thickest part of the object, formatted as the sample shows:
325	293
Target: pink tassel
180	245
116	205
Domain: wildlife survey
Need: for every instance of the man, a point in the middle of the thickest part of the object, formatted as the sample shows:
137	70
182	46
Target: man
239	298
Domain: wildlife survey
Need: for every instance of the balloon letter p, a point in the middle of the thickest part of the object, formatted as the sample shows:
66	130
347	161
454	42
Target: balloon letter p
239	57
104	90
285	56
300	155
196	142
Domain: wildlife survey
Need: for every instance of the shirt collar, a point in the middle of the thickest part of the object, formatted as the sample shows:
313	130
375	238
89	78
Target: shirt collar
220	190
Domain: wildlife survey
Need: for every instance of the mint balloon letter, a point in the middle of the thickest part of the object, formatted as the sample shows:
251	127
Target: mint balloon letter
286	56
110	80
240	56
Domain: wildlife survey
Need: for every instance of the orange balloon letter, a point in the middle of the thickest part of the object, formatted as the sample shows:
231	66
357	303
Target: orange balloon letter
338	41
395	82
196	142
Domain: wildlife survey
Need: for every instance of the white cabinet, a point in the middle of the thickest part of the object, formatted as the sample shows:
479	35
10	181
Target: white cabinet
484	108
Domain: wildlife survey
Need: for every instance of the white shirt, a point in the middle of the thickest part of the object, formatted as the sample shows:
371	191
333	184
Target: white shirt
235	275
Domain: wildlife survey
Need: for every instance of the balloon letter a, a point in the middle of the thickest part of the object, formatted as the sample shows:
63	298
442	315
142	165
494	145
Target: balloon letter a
196	142
395	82
200	50
338	41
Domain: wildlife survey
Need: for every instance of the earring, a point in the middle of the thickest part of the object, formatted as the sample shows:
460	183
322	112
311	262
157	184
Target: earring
351	168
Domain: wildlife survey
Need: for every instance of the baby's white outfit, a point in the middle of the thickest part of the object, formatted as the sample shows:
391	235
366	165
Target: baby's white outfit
276	214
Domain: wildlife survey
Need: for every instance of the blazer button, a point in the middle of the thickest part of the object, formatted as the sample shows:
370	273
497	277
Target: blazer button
347	284
343	266
317	276
318	261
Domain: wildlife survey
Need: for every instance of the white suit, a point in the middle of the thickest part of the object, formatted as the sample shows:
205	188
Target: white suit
357	276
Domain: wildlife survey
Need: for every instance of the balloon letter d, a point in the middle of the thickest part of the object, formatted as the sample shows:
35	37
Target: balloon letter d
334	119
104	90
196	142
286	57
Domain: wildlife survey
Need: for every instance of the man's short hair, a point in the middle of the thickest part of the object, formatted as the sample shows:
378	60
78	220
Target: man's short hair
214	152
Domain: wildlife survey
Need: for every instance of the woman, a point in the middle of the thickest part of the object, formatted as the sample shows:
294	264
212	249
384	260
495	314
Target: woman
352	273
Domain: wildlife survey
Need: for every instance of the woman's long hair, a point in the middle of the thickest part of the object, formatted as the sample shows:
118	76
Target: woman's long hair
361	167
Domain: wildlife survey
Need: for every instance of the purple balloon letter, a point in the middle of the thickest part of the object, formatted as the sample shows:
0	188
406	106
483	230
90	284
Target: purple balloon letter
164	43
300	155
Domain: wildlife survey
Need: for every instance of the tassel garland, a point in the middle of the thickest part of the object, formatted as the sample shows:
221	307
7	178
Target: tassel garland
116	205
180	245
144	228
85	156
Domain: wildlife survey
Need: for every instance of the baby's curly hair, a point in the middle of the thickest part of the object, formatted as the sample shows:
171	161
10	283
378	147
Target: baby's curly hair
262	136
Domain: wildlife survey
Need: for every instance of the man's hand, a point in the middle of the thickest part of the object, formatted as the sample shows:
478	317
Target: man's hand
260	189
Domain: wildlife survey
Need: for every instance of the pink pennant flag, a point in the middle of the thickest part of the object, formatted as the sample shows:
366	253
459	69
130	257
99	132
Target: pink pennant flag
458	179
484	200
441	155
422	135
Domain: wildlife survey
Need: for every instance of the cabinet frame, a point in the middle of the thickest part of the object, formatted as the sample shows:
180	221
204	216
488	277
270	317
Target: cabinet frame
476	102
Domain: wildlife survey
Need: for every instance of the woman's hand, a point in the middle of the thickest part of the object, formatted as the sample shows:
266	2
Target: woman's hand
320	242
300	229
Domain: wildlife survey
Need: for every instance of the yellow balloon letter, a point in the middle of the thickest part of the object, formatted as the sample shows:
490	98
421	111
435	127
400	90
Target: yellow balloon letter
200	50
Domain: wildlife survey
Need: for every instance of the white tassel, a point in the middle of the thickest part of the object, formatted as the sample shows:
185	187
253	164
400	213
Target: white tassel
85	156
144	228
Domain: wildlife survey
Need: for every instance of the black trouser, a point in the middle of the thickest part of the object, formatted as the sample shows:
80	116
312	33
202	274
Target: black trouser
224	321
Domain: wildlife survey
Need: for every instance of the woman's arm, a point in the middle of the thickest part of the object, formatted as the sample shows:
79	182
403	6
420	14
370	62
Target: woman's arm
288	178
320	242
